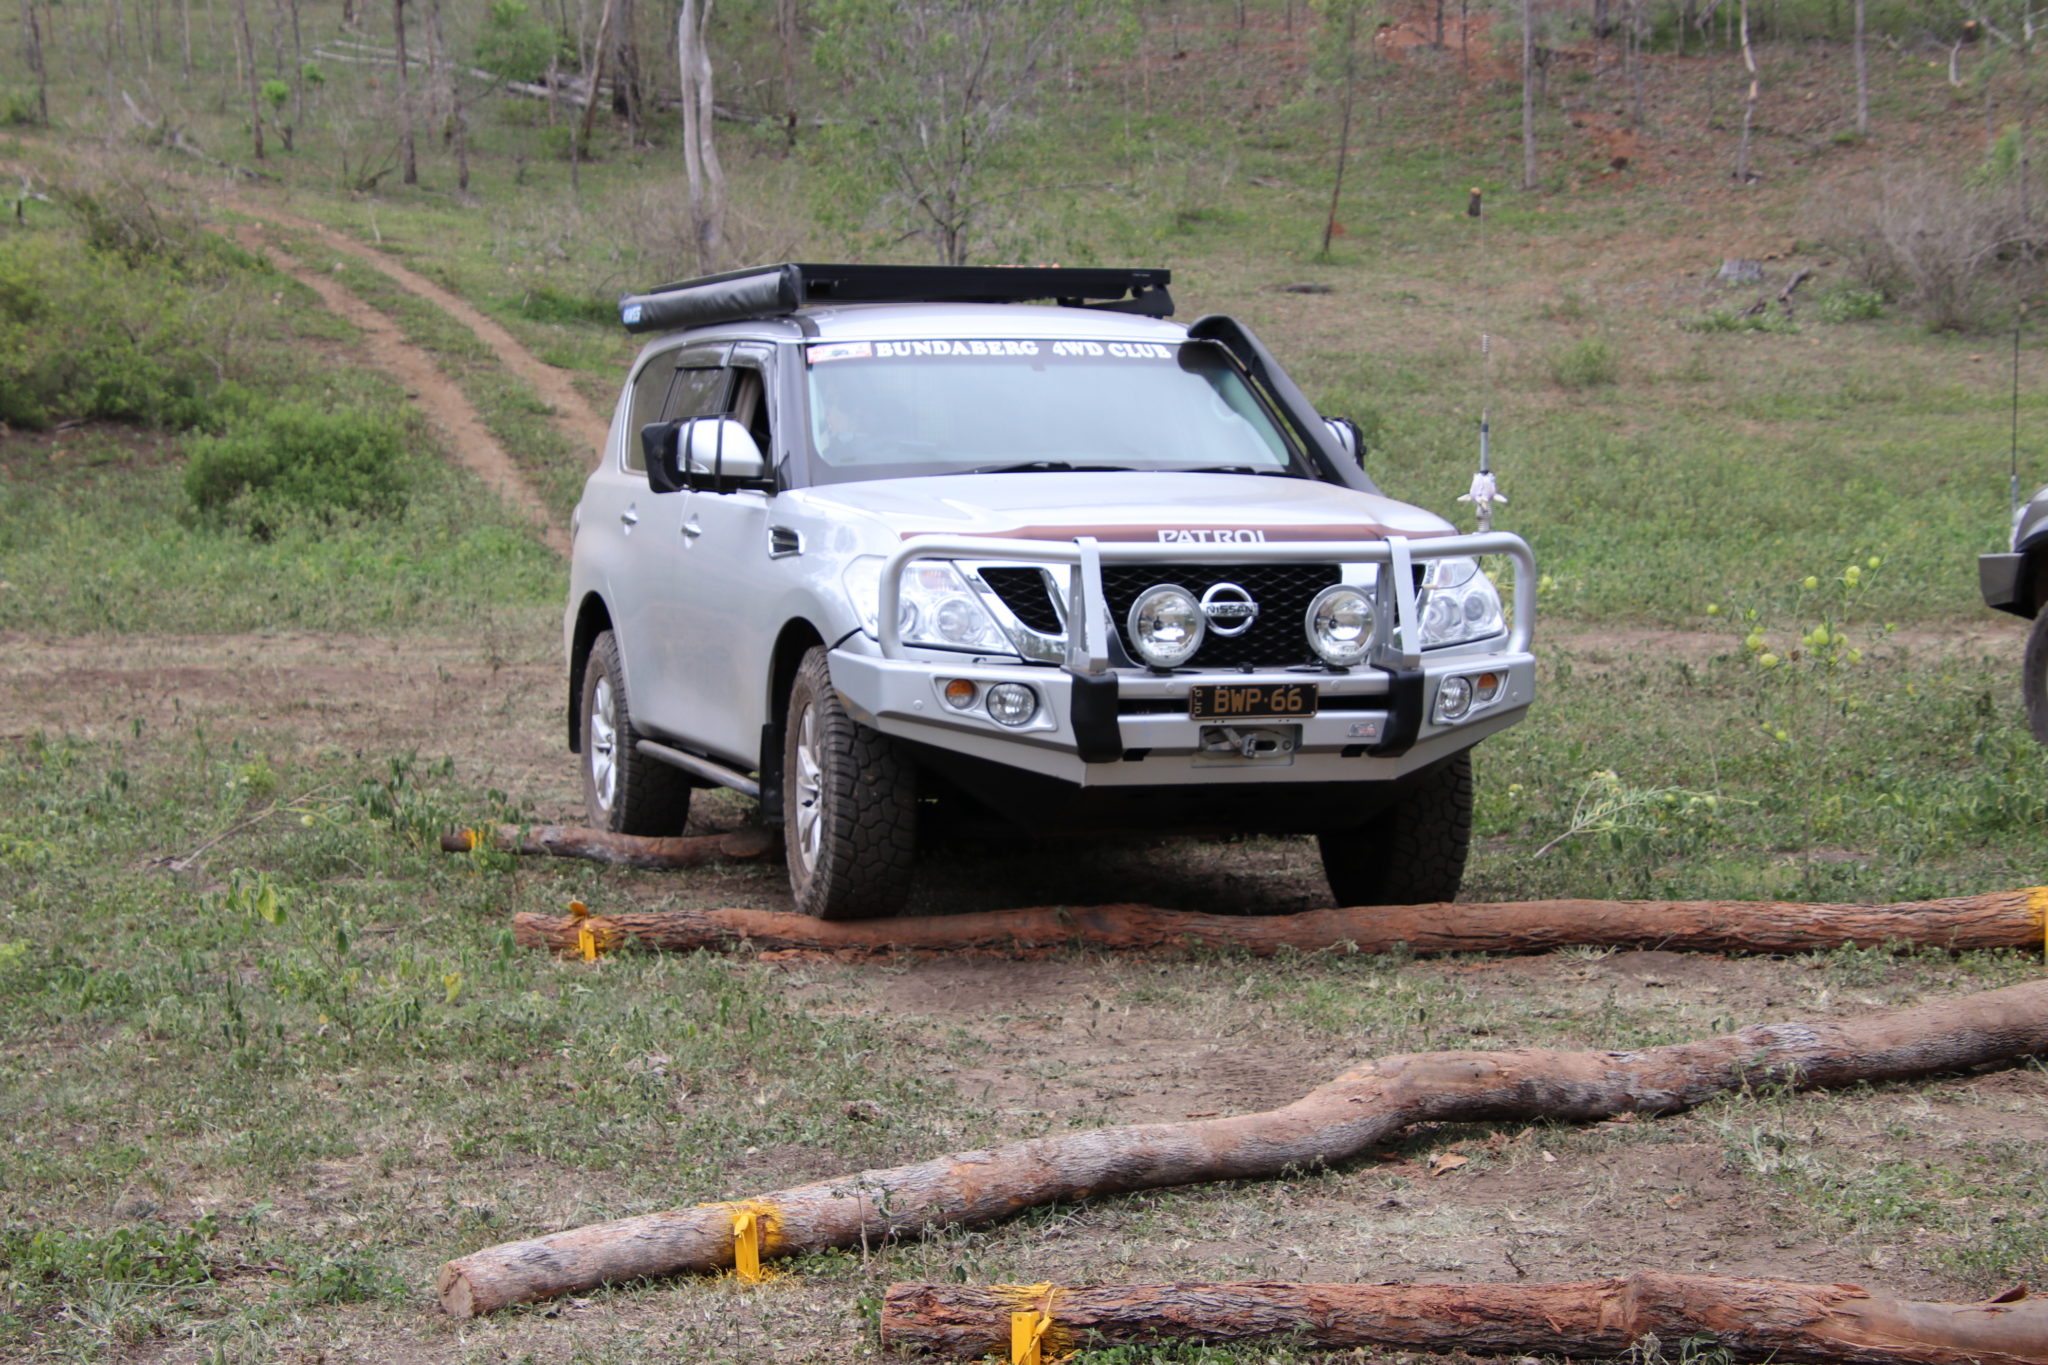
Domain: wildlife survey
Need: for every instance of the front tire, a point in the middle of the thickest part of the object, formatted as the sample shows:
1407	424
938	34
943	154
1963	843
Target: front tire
624	791
1413	852
850	802
2034	678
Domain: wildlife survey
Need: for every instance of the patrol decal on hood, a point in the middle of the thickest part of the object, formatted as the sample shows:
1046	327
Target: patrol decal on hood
1197	535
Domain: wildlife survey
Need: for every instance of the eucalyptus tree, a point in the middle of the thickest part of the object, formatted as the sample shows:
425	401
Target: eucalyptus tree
942	94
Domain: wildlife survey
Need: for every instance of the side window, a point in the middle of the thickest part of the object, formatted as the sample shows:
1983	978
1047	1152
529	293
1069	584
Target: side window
662	393
650	392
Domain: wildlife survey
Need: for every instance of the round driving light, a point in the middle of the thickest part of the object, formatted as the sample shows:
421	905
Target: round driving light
1012	703
1453	698
960	693
1340	624
1166	625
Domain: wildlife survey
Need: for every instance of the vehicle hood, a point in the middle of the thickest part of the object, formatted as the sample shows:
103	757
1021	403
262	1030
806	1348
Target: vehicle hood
1153	508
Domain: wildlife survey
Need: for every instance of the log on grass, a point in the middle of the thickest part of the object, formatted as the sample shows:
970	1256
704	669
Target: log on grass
1749	1319
1352	1114
622	850
2005	919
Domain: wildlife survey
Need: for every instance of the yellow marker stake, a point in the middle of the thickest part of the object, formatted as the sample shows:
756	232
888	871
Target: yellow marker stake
1029	1326
2038	903
586	942
746	1246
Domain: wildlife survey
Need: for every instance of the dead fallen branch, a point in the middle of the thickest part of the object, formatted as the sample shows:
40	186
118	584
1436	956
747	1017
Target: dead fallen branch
1749	1319
2005	919
623	850
1333	1123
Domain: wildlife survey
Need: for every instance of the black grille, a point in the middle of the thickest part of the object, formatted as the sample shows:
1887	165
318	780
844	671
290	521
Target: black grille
1024	592
1283	592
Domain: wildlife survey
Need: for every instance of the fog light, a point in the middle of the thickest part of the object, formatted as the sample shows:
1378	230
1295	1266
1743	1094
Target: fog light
1012	703
1166	625
960	693
1486	687
1453	698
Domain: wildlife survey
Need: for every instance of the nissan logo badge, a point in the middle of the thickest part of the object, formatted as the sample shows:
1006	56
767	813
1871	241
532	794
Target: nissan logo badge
1230	609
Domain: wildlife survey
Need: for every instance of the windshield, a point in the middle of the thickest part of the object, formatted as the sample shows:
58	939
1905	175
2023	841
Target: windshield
893	409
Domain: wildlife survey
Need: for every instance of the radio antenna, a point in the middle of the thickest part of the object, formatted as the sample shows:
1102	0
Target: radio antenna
1485	492
2019	320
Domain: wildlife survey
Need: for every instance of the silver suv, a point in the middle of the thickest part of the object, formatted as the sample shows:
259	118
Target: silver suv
867	542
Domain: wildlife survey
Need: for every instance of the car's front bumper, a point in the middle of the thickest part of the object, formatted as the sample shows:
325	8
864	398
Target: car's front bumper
1359	733
1097	725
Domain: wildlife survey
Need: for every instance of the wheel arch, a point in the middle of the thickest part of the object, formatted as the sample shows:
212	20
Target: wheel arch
2033	577
593	619
799	636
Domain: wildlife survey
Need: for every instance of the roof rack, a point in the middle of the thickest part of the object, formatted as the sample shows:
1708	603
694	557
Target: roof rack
774	290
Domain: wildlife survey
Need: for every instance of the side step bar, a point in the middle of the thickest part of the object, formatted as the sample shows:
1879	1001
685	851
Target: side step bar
702	767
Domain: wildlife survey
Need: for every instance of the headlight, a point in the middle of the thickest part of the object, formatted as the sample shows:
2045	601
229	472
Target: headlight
1340	624
1166	625
1459	603
937	609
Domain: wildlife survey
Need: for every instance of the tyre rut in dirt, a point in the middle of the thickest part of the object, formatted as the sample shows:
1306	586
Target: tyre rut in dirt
624	790
2035	678
1412	853
851	803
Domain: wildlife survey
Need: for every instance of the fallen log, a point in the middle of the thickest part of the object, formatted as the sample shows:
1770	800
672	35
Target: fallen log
1353	1113
1748	1319
621	850
2005	919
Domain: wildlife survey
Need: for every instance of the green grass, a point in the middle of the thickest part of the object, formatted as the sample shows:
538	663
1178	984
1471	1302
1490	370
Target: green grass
269	1057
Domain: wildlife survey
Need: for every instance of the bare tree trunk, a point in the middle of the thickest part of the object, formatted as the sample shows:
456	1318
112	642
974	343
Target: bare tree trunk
700	150
786	17
1350	100
247	54
580	148
451	81
1528	97
1638	100
1746	1319
2005	919
185	36
1862	76
298	67
408	152
1742	172
1354	1113
32	42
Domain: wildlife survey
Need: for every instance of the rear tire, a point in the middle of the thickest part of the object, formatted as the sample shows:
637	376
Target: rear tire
850	803
2034	678
624	791
1413	852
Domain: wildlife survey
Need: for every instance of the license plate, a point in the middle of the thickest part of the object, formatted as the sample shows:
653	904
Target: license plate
1251	701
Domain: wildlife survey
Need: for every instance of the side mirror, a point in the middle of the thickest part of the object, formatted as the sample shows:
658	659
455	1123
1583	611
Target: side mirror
1349	438
658	443
719	449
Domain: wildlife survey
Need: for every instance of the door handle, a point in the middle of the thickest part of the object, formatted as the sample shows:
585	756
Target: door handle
630	517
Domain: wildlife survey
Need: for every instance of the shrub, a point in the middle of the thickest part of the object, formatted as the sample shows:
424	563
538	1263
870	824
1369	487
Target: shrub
1847	303
1956	254
18	109
297	459
514	43
544	303
1728	320
1585	364
94	334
